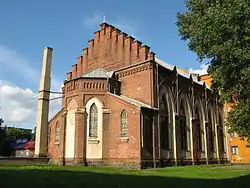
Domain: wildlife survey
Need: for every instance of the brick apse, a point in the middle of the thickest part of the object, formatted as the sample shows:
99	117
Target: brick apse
122	106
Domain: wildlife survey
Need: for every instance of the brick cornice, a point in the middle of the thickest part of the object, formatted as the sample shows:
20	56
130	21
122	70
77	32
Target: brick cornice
134	70
64	113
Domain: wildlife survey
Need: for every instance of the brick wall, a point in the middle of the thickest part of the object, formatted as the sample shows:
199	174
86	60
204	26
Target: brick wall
110	49
115	149
137	83
128	149
55	149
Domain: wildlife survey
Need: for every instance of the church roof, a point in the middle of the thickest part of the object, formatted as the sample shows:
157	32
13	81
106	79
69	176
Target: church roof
132	101
98	73
180	72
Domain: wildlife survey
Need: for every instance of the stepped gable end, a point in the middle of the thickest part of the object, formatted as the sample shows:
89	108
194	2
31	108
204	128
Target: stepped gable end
110	49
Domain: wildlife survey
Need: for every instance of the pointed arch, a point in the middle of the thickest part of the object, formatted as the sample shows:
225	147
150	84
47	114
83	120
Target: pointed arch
198	130
164	123
198	123
93	121
72	104
124	124
210	129
70	128
94	132
166	119
184	125
221	134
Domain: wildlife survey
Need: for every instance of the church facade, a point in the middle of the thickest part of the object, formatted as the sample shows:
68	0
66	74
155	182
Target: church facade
122	106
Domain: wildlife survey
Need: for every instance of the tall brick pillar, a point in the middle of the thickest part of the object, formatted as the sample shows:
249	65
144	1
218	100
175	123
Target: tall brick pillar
80	135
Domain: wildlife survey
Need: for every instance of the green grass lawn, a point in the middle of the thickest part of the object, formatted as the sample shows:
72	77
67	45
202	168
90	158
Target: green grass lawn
47	176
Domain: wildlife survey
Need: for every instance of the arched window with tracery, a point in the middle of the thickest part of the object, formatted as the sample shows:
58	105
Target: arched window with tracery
221	135
124	124
57	133
49	133
198	131
183	128
211	131
164	124
93	121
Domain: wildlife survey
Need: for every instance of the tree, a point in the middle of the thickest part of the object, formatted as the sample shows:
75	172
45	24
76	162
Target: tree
2	134
33	138
218	31
17	133
1	121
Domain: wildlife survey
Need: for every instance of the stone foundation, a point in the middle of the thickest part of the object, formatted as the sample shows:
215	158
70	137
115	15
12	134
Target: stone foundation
120	163
23	160
133	164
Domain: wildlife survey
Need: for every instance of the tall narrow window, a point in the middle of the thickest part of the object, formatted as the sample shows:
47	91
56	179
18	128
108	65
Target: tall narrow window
164	125
211	132
93	121
148	133
57	133
124	124
198	132
49	133
183	128
221	135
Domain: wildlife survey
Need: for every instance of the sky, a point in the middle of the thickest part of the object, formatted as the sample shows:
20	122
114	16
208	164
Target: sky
28	26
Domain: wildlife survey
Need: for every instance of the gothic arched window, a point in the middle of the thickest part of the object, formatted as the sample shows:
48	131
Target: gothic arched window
198	131
183	128
164	124
93	121
49	133
221	135
124	124
211	131
57	133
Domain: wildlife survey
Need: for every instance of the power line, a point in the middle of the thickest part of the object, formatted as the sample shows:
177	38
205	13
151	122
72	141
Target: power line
55	92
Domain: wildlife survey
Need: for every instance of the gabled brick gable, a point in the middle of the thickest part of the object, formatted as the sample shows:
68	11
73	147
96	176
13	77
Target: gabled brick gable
110	49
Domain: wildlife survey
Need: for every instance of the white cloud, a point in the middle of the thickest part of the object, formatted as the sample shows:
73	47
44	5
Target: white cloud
201	71
126	26
19	105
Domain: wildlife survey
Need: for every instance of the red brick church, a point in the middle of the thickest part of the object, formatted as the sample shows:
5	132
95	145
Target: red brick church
122	106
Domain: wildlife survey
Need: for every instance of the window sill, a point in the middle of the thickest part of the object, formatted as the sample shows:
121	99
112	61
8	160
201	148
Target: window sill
93	141
124	139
